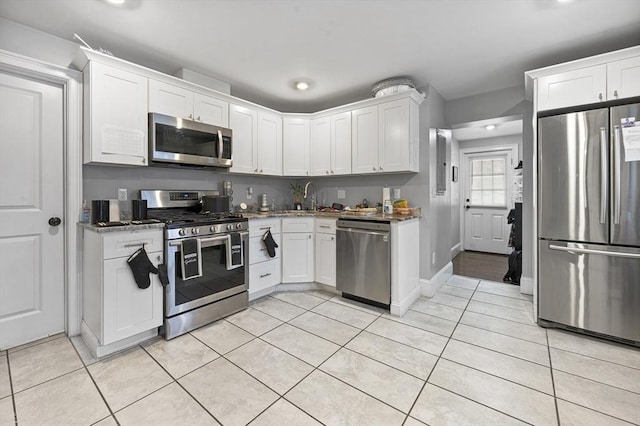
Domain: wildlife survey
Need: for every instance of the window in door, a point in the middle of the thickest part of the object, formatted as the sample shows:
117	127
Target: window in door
488	182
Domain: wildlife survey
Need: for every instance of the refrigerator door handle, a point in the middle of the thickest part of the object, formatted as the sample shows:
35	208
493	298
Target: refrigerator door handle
594	251
603	174
616	173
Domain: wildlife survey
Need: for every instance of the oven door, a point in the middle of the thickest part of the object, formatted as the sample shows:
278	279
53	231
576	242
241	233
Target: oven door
217	281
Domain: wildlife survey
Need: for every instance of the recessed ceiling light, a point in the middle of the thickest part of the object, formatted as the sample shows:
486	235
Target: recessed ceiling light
116	2
302	85
490	127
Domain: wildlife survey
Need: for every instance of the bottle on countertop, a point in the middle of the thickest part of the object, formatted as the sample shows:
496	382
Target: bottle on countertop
86	211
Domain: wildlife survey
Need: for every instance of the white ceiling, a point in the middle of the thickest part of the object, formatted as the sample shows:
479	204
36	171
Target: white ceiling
503	126
460	47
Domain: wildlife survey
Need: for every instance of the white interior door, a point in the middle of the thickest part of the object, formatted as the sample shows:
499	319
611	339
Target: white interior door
487	180
31	196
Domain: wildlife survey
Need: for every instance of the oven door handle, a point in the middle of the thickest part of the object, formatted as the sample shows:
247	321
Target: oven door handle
224	238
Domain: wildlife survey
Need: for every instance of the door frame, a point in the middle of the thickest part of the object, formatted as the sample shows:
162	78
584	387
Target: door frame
464	175
71	83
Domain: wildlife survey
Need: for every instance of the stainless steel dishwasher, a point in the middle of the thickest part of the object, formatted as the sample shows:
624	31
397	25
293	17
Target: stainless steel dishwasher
363	260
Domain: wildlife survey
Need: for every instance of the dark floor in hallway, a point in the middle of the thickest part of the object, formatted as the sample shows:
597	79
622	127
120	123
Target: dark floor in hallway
486	266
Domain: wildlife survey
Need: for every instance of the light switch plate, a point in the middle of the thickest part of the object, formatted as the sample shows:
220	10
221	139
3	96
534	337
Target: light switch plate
122	194
341	194
396	193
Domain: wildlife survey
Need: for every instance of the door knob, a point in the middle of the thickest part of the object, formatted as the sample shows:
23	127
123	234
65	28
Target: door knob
467	207
55	221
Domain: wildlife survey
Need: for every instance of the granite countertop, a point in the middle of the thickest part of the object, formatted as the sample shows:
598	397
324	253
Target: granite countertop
122	228
338	215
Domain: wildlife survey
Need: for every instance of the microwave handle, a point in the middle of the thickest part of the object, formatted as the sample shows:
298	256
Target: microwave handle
220	144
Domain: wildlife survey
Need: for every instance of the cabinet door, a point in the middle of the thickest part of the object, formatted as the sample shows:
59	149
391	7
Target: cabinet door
170	100
296	144
623	78
244	125
210	110
269	144
129	310
341	144
577	87
263	275
297	258
321	146
116	123
326	259
364	140
393	141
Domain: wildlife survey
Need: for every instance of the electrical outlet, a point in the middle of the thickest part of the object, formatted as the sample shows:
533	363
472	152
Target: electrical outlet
396	193
341	194
433	258
249	192
122	194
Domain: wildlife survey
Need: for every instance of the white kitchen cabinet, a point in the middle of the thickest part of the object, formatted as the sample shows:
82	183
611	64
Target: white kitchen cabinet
296	146
269	146
243	122
264	271
115	116
623	78
257	141
325	251
178	102
576	87
298	250
331	145
385	137
115	309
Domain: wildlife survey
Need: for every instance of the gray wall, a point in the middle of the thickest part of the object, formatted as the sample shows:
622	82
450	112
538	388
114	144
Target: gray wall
506	102
455	198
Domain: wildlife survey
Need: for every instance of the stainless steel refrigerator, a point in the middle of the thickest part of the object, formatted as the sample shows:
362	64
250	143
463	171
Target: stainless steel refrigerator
589	221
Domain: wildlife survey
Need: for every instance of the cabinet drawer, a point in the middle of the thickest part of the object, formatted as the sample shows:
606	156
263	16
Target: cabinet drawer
326	226
123	244
264	275
258	252
257	227
298	224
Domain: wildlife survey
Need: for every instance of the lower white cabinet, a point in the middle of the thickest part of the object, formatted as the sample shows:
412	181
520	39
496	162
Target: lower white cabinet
114	307
325	265
264	271
298	250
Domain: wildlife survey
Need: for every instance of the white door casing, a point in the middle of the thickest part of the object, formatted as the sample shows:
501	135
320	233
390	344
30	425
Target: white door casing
484	222
32	280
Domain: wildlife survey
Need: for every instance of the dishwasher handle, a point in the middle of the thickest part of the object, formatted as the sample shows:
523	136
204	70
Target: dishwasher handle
363	231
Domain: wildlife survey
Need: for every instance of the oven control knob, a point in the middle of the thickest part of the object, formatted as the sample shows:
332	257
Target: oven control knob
195	231
229	227
214	228
239	226
182	231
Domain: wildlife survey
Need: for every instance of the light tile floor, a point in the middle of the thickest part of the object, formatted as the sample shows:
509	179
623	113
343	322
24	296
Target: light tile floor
469	355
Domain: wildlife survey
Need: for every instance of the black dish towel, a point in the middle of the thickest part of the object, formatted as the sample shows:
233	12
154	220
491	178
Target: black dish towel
234	251
141	266
191	263
269	243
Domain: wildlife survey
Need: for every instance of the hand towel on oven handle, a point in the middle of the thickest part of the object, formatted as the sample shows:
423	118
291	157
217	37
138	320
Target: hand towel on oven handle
235	252
191	259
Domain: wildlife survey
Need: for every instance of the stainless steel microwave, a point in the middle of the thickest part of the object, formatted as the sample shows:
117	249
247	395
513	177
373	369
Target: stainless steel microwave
185	142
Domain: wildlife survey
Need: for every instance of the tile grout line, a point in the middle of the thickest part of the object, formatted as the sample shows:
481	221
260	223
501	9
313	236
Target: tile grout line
553	382
13	397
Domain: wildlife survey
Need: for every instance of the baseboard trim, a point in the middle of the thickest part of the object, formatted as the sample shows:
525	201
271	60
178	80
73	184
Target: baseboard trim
431	286
456	249
98	351
402	307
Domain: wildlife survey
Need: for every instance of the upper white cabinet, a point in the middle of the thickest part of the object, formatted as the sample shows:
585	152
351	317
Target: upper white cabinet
115	116
331	145
296	146
385	137
607	77
176	101
243	122
623	78
257	141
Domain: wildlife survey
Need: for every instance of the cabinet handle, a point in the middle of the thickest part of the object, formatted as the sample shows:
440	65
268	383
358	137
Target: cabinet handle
135	245
198	118
327	172
331	171
191	116
265	227
261	171
374	168
144	160
600	96
309	236
255	171
615	94
333	238
265	275
325	226
380	168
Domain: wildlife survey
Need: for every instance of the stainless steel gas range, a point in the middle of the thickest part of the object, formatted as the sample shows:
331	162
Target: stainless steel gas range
206	254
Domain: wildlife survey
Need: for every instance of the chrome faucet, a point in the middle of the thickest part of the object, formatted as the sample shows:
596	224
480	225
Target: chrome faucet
313	196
